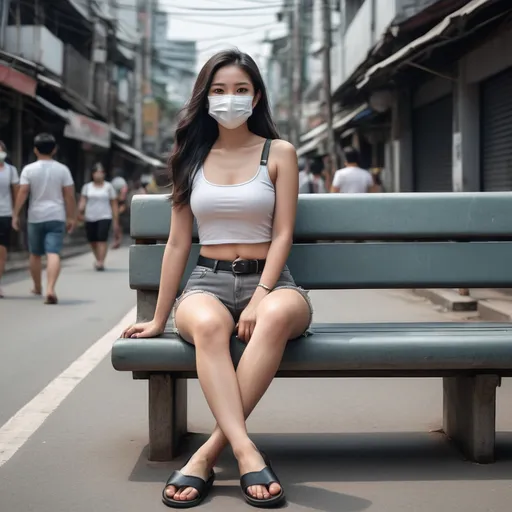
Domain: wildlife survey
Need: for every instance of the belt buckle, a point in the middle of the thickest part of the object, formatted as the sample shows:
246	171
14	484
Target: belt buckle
244	266
239	267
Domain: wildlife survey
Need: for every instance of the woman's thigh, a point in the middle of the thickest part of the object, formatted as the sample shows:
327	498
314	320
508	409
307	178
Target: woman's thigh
288	309
199	314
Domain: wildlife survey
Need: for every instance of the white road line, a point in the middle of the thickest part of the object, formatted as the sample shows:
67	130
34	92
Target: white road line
18	430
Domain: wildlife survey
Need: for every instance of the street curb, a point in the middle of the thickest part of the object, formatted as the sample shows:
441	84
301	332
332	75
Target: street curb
68	252
448	299
494	310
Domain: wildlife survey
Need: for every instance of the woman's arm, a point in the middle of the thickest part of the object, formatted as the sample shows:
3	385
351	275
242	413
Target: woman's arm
287	186
81	206
177	251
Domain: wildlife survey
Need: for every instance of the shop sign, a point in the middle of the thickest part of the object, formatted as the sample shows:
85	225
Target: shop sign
89	130
18	81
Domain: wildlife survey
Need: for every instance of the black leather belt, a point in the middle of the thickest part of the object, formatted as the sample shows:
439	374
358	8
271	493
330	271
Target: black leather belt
237	266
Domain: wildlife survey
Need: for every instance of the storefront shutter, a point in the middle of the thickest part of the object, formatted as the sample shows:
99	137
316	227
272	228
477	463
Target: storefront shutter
432	146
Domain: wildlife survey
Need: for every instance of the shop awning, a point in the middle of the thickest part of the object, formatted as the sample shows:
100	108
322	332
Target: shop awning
154	162
315	132
342	120
310	146
17	80
339	121
86	129
53	108
425	41
119	134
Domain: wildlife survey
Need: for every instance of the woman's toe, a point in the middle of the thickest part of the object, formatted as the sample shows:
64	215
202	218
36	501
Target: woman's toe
189	494
274	489
171	491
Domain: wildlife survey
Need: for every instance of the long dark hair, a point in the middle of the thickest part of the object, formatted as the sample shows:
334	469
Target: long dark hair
197	131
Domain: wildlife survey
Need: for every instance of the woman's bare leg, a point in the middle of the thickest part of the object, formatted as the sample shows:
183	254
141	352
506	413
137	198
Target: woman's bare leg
283	315
205	322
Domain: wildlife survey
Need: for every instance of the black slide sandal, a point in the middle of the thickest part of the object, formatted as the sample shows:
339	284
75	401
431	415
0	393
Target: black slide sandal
181	481
265	477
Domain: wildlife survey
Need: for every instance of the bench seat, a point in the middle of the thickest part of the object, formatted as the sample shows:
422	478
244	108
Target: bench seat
339	349
416	240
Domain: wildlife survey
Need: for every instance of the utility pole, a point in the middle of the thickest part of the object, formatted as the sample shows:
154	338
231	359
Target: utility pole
4	15
295	111
326	64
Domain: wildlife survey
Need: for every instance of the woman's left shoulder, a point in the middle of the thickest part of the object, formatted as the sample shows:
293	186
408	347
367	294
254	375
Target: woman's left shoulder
283	148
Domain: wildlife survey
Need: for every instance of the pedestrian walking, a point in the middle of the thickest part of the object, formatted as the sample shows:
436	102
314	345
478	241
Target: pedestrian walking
121	188
51	212
352	179
98	206
311	179
232	173
8	189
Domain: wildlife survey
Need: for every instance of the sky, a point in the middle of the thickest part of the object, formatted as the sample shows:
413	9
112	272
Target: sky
220	24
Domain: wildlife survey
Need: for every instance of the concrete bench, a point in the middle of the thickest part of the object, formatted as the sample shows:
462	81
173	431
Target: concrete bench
412	241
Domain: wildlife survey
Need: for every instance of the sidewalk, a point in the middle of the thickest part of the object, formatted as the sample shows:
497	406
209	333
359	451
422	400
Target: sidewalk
339	445
19	260
490	304
73	246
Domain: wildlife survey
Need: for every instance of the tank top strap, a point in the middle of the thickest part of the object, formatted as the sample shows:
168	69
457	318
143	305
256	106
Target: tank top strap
265	153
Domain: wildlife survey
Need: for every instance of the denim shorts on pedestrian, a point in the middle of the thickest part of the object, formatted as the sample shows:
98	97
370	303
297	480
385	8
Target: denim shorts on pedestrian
234	291
46	237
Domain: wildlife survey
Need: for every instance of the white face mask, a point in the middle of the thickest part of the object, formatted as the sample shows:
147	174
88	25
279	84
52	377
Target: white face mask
3	156
229	110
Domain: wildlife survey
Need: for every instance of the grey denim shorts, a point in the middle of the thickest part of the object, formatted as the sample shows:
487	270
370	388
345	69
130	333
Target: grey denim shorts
234	290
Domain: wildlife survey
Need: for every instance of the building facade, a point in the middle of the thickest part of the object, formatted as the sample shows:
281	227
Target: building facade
67	68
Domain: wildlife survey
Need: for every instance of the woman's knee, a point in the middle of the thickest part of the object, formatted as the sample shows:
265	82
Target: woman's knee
208	327
204	321
274	314
283	310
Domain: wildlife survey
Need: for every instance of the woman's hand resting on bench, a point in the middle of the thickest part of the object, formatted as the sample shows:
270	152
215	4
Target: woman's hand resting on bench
144	330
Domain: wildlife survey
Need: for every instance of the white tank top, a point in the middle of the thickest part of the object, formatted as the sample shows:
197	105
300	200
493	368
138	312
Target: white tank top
235	214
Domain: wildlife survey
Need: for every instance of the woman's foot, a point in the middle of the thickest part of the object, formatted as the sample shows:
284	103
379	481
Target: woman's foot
36	291
250	460
197	466
51	299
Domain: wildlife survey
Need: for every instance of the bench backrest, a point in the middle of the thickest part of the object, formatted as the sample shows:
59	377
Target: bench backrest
411	240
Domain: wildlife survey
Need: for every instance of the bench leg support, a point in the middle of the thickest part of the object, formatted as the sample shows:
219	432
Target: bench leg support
469	410
167	416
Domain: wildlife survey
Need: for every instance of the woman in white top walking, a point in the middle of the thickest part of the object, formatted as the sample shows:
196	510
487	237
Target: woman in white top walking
9	183
98	205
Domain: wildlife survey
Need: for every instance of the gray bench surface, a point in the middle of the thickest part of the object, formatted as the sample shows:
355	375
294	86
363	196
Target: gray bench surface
341	350
411	241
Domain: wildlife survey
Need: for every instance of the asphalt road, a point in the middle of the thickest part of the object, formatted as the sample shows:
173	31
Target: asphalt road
338	445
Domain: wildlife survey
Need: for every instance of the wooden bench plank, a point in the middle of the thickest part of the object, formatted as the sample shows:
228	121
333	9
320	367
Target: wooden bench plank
368	265
441	216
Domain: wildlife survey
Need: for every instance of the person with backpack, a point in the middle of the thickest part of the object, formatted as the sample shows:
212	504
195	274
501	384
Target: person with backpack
98	205
9	183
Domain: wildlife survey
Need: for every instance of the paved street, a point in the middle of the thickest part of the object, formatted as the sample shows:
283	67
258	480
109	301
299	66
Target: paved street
338	445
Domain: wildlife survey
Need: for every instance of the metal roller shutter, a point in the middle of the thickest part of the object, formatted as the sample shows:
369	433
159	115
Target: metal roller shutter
496	132
432	143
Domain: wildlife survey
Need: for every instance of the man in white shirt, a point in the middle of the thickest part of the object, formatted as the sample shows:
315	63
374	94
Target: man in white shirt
51	212
352	179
